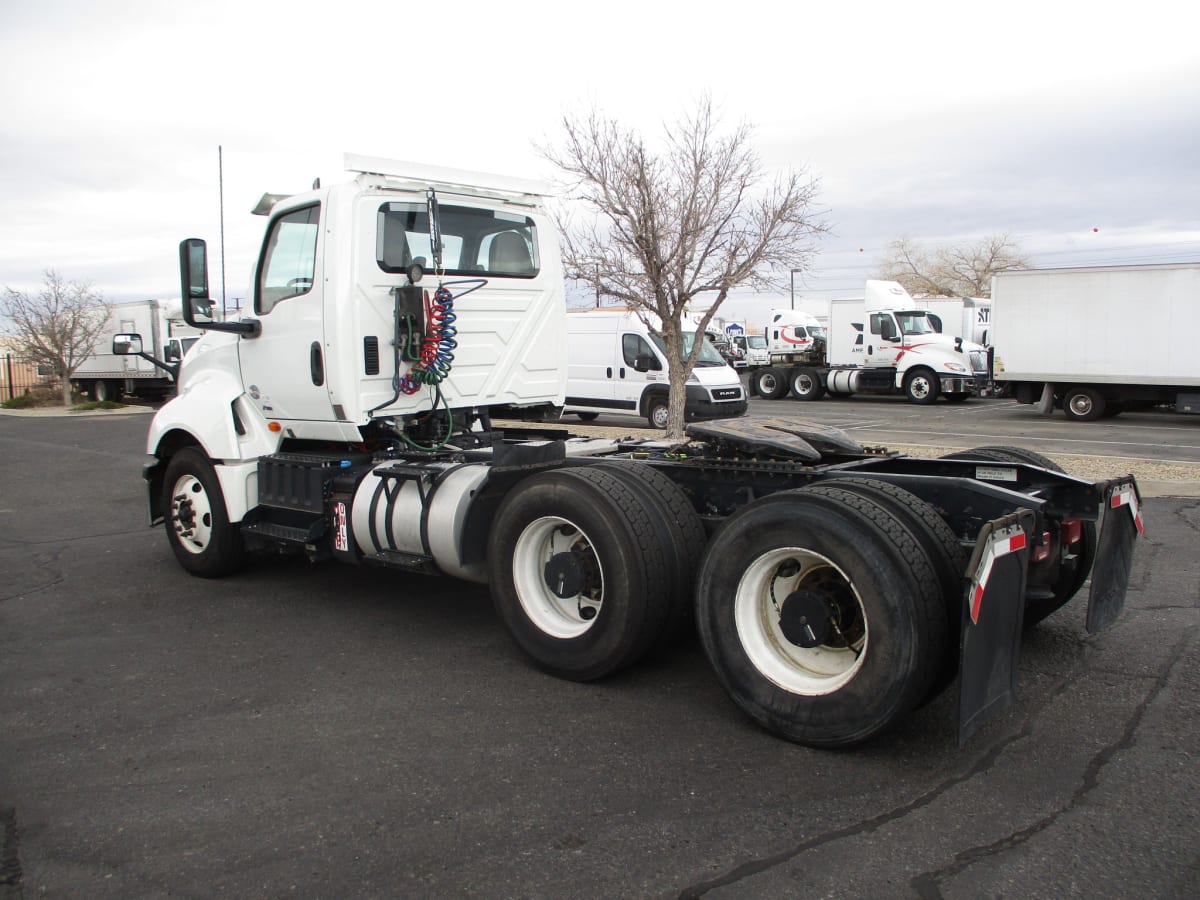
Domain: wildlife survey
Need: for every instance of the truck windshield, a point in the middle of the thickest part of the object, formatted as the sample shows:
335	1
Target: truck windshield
481	242
914	322
756	342
709	355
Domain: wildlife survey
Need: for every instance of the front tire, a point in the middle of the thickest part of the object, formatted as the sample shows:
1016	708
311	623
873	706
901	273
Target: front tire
821	616
922	386
658	413
577	572
203	539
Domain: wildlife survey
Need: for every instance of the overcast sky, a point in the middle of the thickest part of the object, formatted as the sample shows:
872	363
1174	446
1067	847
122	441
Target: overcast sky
938	121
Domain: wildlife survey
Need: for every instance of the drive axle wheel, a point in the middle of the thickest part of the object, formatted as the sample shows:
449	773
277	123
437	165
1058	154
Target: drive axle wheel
769	383
1083	404
806	385
821	615
578	572
203	539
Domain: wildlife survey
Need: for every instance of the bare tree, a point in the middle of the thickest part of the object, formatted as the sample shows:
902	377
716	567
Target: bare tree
59	326
951	270
665	228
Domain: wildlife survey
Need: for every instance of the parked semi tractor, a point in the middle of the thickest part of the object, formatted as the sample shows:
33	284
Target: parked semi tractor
105	375
349	414
882	344
1095	341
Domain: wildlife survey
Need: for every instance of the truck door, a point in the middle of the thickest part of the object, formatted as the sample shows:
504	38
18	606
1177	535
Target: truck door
883	343
637	366
284	367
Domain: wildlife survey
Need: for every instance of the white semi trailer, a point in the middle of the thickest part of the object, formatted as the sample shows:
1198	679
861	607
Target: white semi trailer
1098	340
347	415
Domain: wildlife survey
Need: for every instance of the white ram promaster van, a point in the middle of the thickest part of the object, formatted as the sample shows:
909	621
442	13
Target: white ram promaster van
617	364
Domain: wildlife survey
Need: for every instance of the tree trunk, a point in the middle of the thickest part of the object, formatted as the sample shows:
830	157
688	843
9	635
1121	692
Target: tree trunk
676	420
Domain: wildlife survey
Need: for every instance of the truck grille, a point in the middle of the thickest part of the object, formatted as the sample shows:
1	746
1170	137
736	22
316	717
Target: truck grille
978	361
727	394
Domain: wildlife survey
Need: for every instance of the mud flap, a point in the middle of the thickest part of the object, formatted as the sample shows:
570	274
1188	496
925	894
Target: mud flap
994	610
1114	553
1046	404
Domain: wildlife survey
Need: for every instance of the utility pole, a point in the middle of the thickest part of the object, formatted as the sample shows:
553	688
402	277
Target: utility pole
793	274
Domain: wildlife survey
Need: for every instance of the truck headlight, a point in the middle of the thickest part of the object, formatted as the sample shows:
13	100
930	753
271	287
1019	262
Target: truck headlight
956	367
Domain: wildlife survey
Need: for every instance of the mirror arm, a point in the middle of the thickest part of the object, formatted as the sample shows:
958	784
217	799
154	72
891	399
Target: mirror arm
171	369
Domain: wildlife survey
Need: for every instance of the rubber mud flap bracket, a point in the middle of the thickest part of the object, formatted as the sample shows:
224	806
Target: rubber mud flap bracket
993	613
1120	527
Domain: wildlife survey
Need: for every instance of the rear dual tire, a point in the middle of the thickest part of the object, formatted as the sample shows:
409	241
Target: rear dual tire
821	615
769	383
580	572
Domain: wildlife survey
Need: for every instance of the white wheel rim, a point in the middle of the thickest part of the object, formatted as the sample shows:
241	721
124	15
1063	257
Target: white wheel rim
560	617
660	415
810	671
1081	404
767	384
920	386
191	514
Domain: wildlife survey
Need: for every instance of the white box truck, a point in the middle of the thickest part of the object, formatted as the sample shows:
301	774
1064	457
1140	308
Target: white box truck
1098	340
104	375
616	363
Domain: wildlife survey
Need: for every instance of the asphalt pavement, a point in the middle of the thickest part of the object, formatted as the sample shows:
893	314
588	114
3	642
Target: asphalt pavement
331	731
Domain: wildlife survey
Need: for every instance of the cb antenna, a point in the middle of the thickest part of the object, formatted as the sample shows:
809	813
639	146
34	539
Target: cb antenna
221	193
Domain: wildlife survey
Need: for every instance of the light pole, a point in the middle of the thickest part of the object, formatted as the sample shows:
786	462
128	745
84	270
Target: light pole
793	275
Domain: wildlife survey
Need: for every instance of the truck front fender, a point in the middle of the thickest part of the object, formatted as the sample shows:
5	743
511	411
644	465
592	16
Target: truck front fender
214	413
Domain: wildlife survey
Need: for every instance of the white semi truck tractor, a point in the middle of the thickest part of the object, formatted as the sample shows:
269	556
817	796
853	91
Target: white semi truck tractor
348	415
882	343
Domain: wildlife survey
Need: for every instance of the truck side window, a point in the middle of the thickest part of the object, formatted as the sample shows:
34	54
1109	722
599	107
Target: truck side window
883	325
474	241
635	348
289	260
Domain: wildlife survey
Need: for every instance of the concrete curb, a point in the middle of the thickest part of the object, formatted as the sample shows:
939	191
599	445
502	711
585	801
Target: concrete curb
48	412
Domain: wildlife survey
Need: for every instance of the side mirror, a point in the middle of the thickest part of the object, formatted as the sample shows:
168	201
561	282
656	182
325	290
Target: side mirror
126	344
171	352
646	363
198	306
193	282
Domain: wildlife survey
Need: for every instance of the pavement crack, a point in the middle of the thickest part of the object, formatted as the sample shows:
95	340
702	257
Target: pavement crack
928	884
756	866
